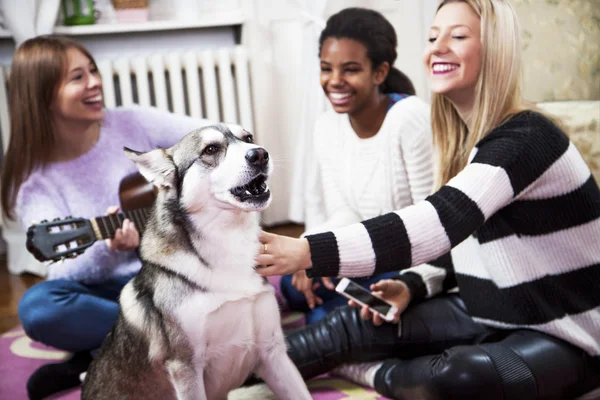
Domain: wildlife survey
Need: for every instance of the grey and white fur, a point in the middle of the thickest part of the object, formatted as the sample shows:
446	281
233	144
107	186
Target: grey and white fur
197	319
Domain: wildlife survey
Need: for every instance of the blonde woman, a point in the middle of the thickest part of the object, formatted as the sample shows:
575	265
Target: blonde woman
520	211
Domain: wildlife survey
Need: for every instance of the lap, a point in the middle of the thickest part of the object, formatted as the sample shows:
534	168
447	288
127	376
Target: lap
343	336
70	315
48	290
518	364
331	299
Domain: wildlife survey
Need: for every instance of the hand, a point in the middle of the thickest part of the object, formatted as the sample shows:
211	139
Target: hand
282	255
394	292
305	285
126	238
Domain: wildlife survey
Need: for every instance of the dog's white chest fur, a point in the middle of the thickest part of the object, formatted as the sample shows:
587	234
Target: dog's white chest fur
227	342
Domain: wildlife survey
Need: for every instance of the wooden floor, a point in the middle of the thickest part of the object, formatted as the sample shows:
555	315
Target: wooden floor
12	287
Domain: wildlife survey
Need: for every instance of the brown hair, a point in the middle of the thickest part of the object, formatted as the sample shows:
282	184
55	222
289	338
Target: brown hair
37	69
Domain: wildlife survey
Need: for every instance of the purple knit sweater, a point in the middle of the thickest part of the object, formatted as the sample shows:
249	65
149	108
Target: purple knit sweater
87	186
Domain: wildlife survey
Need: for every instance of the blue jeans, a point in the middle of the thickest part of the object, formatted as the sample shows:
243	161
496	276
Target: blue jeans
331	299
69	315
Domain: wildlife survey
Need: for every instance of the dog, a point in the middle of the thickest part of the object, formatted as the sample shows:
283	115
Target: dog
197	320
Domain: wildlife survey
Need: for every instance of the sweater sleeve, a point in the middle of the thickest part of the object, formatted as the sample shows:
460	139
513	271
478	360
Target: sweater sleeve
416	148
506	162
326	207
427	280
314	207
96	264
163	128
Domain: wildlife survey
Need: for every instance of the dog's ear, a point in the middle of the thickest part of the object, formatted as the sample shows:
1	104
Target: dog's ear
156	166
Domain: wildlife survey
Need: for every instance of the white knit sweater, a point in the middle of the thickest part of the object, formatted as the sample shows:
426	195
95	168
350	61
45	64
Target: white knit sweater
353	179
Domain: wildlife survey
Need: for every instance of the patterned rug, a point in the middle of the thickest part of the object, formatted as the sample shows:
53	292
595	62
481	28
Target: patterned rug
19	357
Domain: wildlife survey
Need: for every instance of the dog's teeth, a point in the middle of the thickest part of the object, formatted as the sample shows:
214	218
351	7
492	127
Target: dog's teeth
248	192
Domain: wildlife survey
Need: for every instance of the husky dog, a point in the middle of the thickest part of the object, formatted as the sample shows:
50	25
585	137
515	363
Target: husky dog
197	320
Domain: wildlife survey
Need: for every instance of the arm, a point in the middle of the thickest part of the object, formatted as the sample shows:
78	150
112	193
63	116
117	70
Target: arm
506	162
164	129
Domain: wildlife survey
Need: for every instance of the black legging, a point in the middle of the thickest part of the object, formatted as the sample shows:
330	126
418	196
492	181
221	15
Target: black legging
443	354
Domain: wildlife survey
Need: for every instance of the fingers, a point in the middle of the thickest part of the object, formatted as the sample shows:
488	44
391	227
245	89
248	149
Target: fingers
112	210
266	237
265	259
380	286
126	238
365	313
328	283
269	270
311	298
130	235
377	319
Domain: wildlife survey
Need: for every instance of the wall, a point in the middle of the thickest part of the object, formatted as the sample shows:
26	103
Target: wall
561	54
561	49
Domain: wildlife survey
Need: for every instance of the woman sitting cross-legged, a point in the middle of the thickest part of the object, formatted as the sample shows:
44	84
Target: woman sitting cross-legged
372	153
65	157
520	212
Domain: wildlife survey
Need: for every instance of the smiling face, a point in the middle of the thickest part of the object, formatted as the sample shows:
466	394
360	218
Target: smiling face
453	56
79	94
347	76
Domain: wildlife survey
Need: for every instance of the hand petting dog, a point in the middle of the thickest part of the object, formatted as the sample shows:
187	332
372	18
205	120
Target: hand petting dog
282	255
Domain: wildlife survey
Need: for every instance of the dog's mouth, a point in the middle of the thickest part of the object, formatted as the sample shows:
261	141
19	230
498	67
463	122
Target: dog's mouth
255	190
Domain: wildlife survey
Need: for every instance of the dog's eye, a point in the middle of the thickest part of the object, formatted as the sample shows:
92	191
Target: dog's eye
249	139
210	149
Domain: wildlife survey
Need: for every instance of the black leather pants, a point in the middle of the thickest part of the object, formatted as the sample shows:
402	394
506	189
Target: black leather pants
441	353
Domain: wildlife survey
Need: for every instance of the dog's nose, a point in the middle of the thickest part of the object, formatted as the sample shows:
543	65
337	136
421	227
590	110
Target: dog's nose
257	156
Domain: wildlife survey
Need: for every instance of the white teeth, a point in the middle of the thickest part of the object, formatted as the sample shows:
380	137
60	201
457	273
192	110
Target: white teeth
248	192
444	67
339	96
94	99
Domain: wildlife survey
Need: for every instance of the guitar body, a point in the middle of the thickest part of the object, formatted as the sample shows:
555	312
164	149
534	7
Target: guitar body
69	237
136	192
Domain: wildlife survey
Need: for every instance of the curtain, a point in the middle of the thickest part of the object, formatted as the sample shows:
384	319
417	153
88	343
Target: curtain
28	18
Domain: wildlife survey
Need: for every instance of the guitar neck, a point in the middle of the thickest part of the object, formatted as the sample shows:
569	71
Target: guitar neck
105	227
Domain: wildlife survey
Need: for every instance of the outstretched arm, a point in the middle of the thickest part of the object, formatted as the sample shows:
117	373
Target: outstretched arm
506	163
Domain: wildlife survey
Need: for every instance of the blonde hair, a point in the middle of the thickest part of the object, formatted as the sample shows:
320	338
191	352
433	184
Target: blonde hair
497	92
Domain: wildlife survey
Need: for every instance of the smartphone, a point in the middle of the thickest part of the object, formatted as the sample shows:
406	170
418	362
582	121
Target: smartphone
354	291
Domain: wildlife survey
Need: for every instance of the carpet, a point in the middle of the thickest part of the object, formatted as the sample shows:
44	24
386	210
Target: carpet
20	356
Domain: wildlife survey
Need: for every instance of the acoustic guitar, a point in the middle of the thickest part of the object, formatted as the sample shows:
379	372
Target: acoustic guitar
69	237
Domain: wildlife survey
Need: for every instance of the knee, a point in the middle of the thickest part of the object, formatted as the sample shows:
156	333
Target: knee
37	309
464	372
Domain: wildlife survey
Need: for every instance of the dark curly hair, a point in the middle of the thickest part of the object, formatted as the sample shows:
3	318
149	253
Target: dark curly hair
377	34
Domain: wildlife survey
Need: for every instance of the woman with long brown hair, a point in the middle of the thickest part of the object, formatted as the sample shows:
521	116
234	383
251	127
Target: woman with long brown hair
65	158
514	225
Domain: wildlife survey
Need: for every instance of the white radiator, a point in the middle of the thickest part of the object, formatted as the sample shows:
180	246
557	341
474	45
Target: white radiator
212	84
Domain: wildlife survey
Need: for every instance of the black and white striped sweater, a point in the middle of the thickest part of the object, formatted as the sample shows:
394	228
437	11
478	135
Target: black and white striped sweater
523	222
